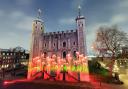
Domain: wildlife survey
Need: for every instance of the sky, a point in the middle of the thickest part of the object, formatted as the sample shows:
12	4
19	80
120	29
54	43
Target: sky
16	18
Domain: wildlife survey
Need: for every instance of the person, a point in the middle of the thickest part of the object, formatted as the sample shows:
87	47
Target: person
116	76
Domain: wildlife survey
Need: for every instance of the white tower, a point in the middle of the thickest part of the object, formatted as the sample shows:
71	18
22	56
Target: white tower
80	22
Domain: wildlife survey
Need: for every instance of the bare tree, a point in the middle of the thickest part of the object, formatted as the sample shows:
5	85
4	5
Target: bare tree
109	41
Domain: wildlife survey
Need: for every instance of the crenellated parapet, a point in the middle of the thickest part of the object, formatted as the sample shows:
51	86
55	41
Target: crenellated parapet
59	32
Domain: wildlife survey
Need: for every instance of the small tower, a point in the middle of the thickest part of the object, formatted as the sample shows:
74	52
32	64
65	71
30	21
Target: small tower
80	22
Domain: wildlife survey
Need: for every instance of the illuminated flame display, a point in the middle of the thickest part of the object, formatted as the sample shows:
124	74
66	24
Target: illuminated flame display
73	68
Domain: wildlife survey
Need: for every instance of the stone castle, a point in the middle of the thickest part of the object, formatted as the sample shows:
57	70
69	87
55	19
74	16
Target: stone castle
58	43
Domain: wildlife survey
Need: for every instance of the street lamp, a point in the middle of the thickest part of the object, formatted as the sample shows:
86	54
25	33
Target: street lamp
116	70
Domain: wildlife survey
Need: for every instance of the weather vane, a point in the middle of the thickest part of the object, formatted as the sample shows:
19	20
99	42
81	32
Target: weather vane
39	13
79	8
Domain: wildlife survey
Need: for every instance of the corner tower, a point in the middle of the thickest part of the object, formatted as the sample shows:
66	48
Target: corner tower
37	30
36	42
80	22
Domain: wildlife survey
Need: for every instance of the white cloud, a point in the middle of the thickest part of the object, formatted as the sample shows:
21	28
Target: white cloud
24	2
16	14
67	21
15	29
1	13
123	3
20	21
119	18
11	34
76	3
25	24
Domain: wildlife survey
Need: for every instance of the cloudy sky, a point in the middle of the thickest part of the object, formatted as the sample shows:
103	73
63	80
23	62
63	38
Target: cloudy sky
16	17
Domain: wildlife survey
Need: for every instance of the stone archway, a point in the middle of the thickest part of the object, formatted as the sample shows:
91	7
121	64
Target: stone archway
45	54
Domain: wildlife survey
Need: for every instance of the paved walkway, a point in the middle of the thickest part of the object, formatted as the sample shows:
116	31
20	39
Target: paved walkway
46	84
71	85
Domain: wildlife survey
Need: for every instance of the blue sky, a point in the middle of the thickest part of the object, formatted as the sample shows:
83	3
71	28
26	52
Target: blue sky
16	17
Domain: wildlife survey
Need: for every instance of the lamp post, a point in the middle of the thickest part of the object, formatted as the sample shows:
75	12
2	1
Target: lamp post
115	70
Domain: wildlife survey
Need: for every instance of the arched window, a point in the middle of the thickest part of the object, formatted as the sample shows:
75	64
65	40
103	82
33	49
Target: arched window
64	44
64	54
45	45
74	43
45	54
54	45
74	54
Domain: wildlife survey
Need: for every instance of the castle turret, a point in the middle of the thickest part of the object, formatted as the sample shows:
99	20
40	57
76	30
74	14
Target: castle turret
36	41
80	22
38	29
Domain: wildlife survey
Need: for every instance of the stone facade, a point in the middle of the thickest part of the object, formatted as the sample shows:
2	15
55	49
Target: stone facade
59	43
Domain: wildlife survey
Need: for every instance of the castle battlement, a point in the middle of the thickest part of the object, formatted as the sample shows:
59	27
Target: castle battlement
59	32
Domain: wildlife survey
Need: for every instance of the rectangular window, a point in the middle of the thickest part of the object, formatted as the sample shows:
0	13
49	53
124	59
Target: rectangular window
3	53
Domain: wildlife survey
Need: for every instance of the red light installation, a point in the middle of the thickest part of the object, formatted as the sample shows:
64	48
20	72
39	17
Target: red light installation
68	69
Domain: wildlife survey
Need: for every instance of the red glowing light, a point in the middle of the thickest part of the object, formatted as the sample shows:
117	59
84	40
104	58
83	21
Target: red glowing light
14	81
8	82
